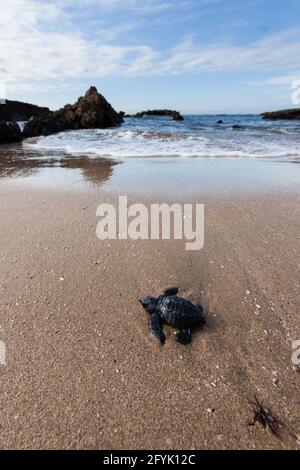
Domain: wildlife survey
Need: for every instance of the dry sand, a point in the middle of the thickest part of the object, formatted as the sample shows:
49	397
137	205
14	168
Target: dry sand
82	370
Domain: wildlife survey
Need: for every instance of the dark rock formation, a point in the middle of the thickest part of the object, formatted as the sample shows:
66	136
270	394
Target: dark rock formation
91	111
236	127
13	111
10	133
290	114
220	121
122	114
175	115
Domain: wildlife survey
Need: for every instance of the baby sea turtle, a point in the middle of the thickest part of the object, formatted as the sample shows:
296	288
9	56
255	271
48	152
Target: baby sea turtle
175	311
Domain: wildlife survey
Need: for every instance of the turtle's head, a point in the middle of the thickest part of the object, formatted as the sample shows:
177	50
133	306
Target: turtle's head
148	303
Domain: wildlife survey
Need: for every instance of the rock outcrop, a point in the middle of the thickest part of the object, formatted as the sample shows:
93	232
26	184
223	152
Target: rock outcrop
175	115
13	111
290	114
91	111
10	132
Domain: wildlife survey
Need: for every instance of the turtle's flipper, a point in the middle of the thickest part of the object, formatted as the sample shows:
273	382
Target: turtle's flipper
171	291
156	327
184	336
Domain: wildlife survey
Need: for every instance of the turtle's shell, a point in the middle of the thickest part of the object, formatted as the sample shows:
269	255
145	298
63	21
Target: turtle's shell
179	312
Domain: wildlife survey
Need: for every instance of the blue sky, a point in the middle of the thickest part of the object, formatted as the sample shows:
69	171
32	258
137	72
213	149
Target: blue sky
206	56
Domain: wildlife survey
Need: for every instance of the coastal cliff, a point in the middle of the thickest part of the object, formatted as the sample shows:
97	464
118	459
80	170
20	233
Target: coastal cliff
14	111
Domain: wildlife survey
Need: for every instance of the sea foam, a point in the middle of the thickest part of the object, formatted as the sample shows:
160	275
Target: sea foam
198	136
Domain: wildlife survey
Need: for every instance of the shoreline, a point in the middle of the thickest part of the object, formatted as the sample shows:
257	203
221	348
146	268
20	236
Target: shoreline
82	368
163	177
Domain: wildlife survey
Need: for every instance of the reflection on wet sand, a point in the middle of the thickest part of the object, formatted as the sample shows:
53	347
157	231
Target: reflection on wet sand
94	170
19	162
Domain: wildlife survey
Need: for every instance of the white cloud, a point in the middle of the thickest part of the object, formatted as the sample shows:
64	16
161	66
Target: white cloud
34	47
284	80
276	52
39	41
138	6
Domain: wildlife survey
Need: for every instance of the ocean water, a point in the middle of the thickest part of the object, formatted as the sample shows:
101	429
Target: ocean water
197	136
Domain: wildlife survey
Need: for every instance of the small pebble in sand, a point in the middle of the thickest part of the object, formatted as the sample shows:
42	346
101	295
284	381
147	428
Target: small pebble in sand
247	292
275	381
61	279
210	410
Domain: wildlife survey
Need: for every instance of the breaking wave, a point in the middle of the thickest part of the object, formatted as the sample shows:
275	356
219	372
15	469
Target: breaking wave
197	136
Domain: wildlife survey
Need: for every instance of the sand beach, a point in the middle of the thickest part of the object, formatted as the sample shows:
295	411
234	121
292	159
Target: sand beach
82	369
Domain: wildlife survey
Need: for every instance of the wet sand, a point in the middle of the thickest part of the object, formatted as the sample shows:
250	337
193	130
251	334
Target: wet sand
82	370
